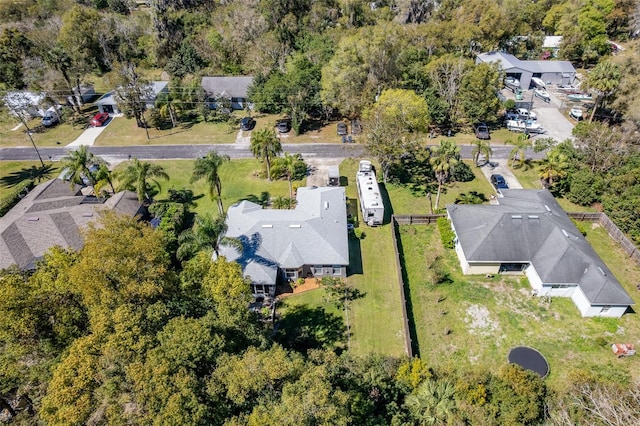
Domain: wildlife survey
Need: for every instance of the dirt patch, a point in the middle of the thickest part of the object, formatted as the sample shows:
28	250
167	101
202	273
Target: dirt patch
479	322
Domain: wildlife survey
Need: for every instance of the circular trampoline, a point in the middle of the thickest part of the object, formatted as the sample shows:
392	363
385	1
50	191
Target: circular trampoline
529	359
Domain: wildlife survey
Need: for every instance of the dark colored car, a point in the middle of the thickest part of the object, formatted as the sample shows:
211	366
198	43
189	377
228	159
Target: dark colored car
283	126
342	129
356	127
499	182
99	119
482	131
247	123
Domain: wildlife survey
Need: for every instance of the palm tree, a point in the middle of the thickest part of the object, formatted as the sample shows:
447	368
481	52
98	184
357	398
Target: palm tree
168	106
433	402
265	145
554	167
443	159
519	148
207	234
287	166
481	148
78	163
208	167
603	79
139	176
103	178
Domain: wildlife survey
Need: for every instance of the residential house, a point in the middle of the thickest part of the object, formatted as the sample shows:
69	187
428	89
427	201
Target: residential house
82	94
234	89
551	72
551	44
108	102
53	214
308	241
528	232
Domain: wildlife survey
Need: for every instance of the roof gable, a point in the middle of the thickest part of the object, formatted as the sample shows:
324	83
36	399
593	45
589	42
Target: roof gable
233	87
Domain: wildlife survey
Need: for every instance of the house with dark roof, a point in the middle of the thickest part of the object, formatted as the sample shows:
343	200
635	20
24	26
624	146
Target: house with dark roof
233	89
53	214
308	241
109	104
528	232
551	72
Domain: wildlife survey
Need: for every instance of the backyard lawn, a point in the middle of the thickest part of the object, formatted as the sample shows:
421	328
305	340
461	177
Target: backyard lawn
14	172
476	320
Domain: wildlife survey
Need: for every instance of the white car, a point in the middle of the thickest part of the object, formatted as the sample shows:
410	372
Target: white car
528	115
576	112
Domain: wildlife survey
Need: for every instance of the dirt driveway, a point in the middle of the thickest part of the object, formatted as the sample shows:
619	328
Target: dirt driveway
319	170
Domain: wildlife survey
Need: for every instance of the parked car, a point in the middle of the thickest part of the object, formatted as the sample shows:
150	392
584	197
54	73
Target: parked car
542	94
356	127
576	113
99	119
50	119
526	114
482	131
342	129
247	123
283	126
498	182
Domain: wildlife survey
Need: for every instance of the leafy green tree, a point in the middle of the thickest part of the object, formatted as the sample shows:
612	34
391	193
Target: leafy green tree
140	177
392	125
14	45
265	146
478	100
207	234
169	106
517	396
446	74
208	168
131	92
585	187
229	291
603	80
599	146
290	166
443	159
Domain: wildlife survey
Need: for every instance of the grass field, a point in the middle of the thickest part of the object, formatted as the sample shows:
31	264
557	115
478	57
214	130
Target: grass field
239	181
13	172
62	134
476	320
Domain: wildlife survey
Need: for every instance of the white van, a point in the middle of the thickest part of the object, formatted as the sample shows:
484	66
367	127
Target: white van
526	114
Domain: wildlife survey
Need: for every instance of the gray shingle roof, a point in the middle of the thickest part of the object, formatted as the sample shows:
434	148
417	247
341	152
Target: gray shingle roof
314	233
233	87
530	226
53	214
508	61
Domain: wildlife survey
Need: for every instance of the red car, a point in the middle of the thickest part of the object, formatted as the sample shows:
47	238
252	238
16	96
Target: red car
99	119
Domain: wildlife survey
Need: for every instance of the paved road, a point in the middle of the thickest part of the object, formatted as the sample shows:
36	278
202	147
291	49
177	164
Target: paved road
176	152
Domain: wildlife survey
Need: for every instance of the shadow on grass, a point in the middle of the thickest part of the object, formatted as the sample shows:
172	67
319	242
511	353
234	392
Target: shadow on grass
388	208
262	200
355	256
302	328
37	173
415	345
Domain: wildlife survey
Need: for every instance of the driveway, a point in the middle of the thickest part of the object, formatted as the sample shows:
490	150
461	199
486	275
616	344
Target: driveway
500	167
88	137
319	170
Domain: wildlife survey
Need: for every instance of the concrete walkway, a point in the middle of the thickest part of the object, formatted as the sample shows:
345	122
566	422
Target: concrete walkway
88	137
243	138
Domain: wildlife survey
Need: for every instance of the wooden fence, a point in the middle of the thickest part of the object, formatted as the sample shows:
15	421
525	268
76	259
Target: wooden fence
407	334
417	219
614	232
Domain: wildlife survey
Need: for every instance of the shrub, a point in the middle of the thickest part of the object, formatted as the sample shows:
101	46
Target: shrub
446	233
582	227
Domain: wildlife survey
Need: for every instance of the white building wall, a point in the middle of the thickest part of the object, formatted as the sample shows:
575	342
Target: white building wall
534	279
588	310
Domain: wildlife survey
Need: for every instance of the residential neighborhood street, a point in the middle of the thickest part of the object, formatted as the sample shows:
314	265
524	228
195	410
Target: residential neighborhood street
186	152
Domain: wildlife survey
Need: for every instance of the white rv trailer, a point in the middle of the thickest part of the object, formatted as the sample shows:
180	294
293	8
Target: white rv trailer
371	203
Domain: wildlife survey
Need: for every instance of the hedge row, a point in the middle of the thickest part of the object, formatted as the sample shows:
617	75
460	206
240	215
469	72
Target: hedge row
8	201
446	233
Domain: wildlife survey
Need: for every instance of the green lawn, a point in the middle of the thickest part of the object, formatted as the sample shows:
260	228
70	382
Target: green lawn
239	181
476	320
529	177
61	134
13	172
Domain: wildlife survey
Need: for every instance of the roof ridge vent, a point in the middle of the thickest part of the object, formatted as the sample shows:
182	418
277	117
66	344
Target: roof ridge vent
547	208
566	234
601	271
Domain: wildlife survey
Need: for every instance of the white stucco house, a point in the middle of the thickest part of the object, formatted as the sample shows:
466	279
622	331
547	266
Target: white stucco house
234	89
529	233
549	71
108	102
308	241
